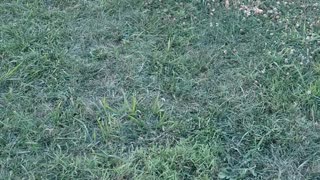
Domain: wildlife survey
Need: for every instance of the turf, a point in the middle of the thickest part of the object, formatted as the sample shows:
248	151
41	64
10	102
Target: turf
151	89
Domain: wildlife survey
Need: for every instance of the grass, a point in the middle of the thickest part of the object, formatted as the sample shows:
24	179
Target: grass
146	89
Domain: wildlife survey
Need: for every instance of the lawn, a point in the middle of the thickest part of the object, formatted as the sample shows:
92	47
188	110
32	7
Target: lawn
151	89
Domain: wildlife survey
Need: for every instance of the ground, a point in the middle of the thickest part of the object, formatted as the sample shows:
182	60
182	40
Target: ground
151	89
